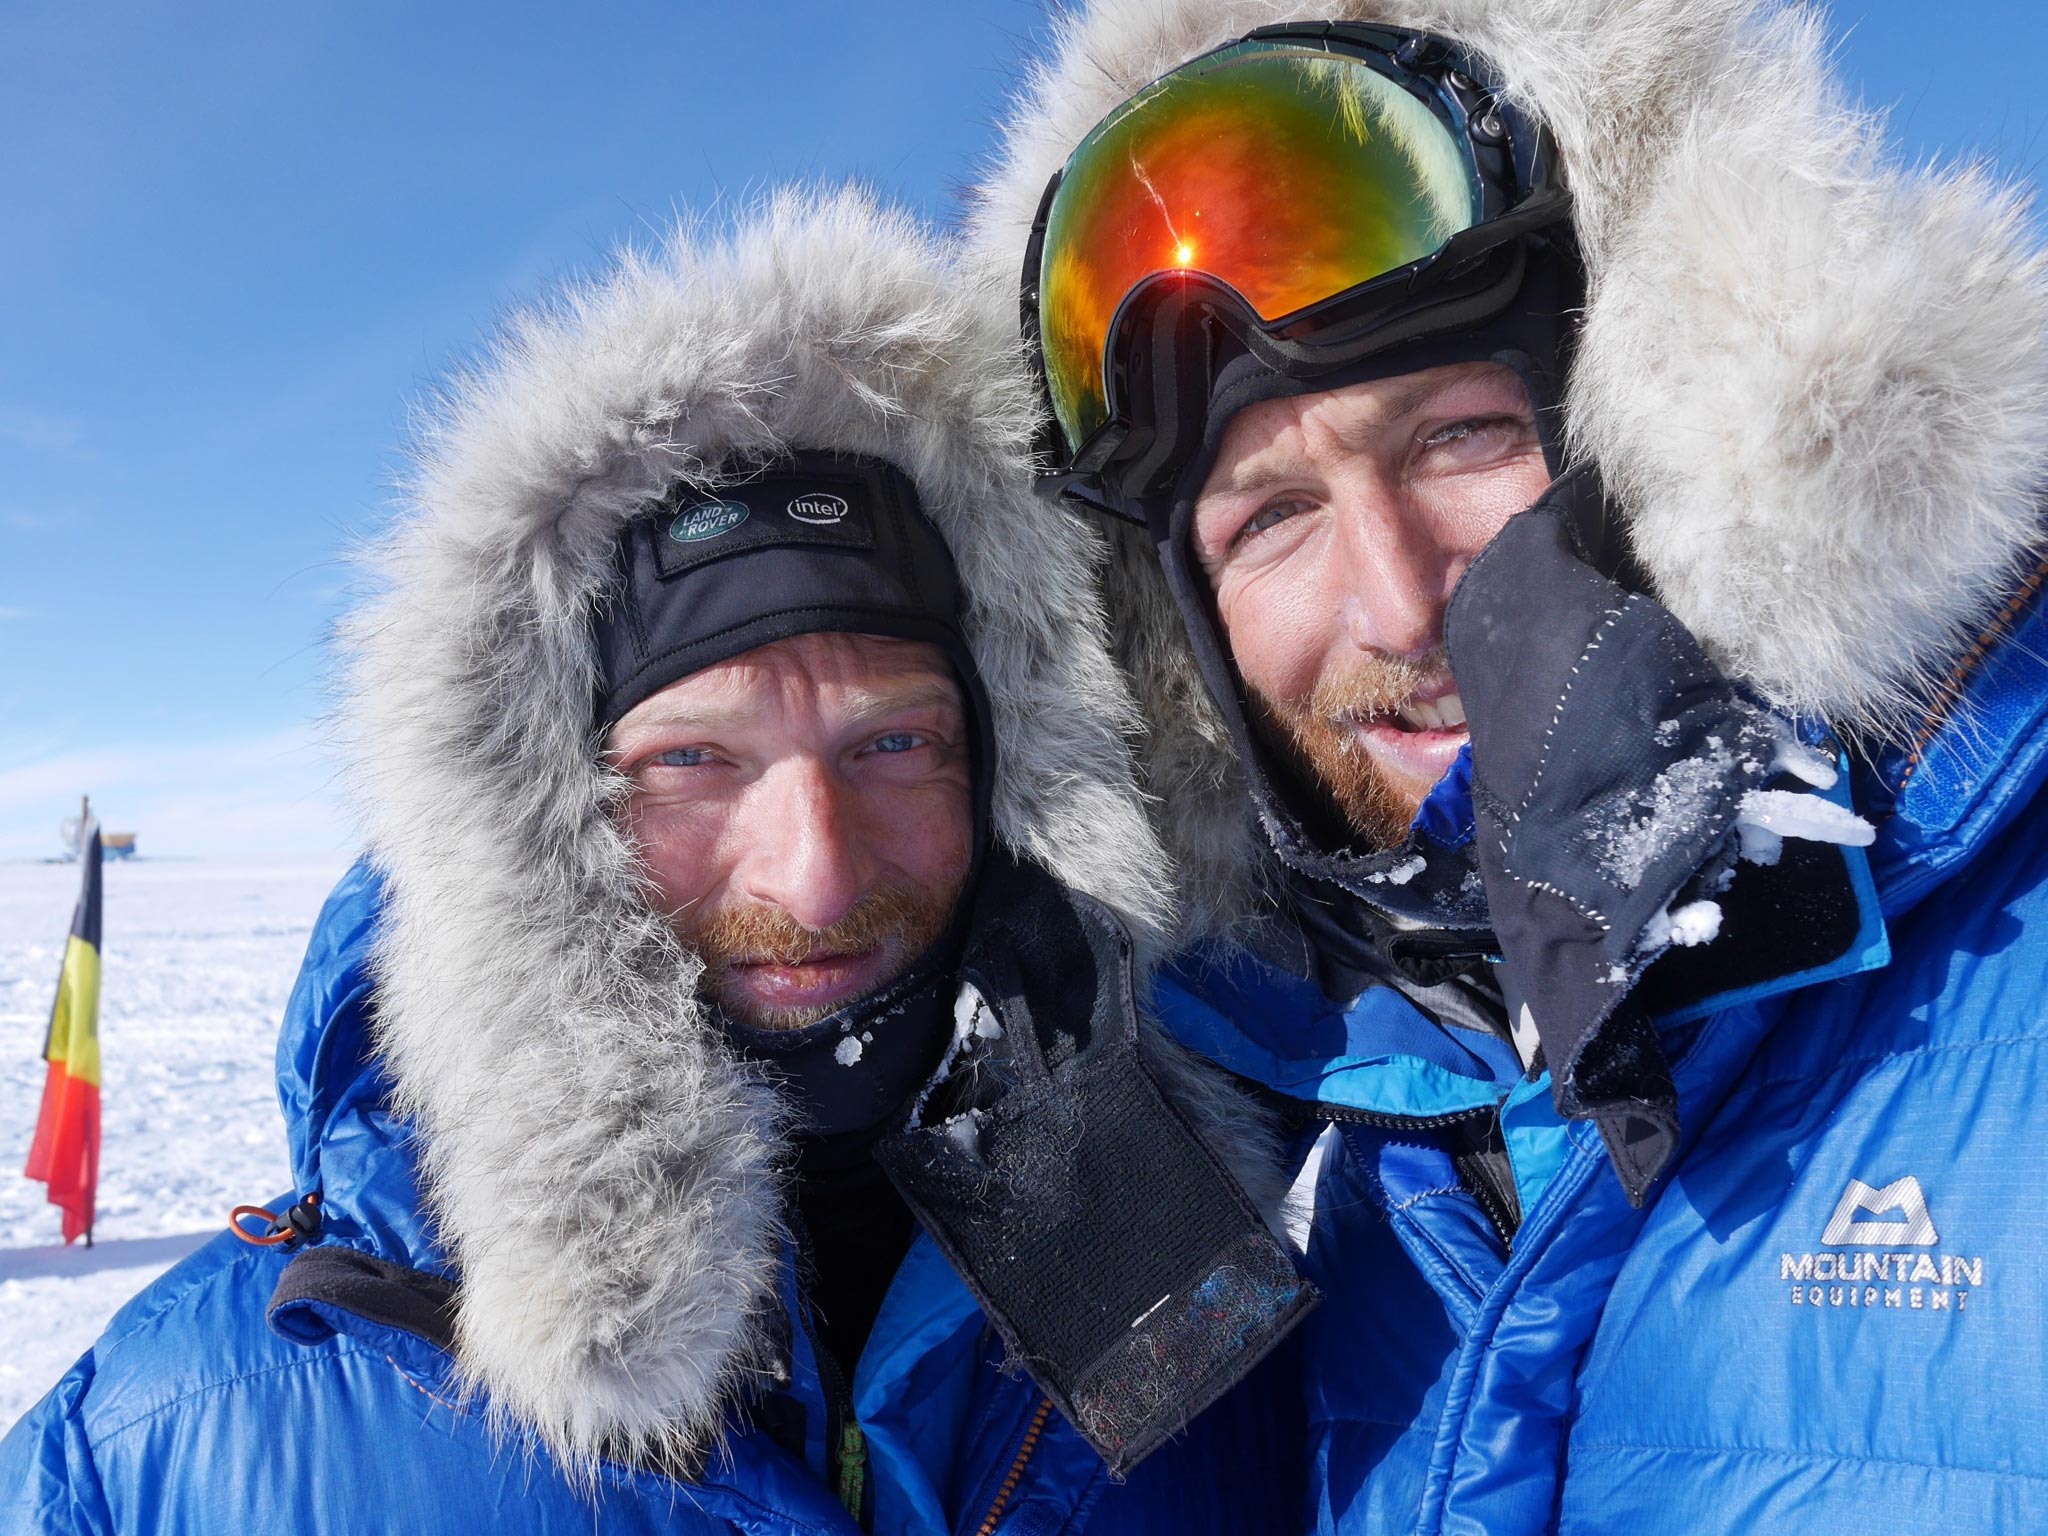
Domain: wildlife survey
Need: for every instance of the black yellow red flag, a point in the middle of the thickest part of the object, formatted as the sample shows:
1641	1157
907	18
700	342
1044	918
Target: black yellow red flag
66	1151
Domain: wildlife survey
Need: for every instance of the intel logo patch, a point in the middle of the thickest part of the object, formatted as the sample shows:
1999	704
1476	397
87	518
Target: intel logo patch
818	508
706	520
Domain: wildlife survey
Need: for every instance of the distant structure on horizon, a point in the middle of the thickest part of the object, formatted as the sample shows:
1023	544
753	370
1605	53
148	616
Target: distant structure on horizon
113	845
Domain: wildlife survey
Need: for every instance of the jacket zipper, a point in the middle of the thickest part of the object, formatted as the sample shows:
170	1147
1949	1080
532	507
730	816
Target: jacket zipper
851	1473
1339	1113
1958	680
1016	1473
845	1442
1491	1203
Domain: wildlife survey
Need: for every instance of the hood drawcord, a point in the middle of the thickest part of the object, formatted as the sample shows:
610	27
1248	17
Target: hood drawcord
302	1221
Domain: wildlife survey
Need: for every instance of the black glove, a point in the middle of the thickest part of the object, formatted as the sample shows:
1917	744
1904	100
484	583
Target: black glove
1617	777
1120	1262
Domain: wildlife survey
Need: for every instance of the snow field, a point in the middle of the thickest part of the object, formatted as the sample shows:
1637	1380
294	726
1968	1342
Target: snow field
197	962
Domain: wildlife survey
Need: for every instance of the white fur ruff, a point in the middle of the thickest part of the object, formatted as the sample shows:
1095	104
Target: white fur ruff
605	1175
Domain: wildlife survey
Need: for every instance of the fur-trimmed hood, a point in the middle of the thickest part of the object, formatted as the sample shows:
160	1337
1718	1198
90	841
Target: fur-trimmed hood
602	1172
1815	382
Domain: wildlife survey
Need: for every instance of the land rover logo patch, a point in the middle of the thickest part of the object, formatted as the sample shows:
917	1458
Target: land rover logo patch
706	520
704	526
818	507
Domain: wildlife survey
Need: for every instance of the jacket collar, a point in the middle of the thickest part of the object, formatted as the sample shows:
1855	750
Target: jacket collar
1981	760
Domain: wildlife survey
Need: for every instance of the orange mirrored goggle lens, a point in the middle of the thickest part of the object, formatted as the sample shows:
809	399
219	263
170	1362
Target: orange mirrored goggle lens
1289	173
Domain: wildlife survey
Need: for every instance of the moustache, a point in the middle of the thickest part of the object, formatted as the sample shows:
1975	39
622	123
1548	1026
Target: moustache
1313	736
1372	688
760	934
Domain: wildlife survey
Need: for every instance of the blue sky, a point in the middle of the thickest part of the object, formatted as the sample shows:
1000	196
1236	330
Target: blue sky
240	239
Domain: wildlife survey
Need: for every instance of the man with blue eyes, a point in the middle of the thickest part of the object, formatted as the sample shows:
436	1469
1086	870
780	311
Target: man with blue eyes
1331	531
719	1102
1577	528
805	811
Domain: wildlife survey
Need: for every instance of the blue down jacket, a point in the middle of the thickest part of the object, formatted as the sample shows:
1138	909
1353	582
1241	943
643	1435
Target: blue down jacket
206	1407
1832	1314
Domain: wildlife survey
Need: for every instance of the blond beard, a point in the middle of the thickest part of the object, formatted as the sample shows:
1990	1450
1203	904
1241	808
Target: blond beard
1316	734
907	918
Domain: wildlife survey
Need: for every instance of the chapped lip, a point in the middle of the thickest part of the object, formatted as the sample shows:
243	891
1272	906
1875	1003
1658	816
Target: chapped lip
1390	719
820	980
750	962
1419	756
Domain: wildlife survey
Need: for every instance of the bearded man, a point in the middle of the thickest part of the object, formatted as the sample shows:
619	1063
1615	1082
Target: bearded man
719	1103
1580	378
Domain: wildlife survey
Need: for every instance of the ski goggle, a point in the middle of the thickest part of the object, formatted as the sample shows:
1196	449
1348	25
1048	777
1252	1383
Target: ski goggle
1263	181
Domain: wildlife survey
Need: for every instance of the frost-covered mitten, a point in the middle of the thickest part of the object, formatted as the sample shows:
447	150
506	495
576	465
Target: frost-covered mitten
1618	776
1104	1238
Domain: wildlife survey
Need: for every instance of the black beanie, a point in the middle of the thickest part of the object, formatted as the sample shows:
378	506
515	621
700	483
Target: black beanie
816	542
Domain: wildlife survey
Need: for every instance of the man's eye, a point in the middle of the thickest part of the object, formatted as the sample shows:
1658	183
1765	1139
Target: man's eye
1480	435
682	757
1270	515
898	741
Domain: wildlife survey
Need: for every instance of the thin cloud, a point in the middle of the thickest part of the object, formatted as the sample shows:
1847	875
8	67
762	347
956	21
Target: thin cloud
268	795
40	430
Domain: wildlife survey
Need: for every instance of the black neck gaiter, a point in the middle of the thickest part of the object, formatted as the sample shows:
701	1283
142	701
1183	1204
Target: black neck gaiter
845	1074
850	1078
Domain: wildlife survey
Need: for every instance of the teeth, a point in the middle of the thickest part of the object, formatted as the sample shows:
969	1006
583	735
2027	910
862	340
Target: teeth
1446	713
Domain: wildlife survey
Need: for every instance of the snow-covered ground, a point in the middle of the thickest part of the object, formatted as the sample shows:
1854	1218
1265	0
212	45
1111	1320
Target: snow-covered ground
197	963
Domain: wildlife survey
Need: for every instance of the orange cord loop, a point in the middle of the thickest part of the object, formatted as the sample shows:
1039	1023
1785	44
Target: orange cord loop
302	1220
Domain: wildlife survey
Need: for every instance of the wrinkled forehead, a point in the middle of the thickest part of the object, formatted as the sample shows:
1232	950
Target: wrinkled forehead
1272	438
845	675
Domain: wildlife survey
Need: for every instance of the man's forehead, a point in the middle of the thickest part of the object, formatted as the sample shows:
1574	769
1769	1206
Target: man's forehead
1262	435
867	671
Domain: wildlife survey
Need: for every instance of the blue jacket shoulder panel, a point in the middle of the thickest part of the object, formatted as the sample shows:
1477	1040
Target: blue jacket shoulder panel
50	1479
143	1363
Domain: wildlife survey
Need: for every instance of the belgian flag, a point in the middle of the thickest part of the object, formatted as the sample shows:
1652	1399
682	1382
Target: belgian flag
66	1151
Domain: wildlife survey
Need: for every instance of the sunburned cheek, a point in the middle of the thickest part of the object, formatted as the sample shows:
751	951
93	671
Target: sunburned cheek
926	833
1278	628
681	848
1466	512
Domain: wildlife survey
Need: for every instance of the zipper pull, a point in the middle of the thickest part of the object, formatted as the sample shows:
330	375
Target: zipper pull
852	1466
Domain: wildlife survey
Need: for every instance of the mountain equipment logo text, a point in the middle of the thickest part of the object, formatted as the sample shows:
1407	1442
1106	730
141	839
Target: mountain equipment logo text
1909	1279
818	508
706	520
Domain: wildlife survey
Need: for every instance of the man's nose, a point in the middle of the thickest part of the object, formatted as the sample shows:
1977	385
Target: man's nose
1393	576
804	851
